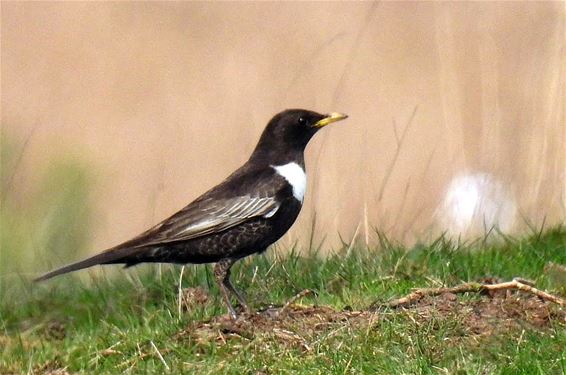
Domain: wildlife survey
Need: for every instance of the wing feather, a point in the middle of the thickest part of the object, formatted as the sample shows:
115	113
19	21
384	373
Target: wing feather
204	218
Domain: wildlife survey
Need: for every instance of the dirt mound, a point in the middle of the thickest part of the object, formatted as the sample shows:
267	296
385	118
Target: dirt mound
488	314
301	326
295	325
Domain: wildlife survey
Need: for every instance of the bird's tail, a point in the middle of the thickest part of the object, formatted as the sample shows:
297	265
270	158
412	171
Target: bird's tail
111	256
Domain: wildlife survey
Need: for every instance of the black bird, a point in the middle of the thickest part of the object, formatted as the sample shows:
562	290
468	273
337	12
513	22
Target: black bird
243	215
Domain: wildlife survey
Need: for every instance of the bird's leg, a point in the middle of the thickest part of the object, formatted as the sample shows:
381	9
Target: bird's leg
238	296
222	275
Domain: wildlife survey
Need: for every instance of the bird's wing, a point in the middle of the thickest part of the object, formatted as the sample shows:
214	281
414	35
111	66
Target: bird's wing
202	217
205	217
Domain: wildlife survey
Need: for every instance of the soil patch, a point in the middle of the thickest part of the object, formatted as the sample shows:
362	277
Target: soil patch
296	326
487	315
300	326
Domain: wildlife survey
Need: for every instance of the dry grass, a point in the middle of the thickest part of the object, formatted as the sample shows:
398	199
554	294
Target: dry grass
150	93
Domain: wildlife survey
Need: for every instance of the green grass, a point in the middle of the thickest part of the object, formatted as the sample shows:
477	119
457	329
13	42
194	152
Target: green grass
69	323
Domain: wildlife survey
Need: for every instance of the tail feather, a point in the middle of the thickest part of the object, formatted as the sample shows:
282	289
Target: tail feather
111	256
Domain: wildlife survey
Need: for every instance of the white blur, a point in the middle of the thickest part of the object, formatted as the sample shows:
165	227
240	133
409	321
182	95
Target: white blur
476	203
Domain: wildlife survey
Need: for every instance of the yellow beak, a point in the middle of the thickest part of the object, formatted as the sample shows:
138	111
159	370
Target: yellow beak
330	118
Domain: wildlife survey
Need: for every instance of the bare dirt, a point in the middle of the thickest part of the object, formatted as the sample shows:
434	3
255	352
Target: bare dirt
489	314
471	316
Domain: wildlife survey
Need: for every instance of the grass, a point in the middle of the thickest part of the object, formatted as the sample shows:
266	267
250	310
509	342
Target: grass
118	322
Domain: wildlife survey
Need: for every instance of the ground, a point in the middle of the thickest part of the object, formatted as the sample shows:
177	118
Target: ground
300	326
142	320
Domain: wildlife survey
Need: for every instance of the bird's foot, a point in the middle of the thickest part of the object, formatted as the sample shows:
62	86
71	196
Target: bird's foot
240	311
233	314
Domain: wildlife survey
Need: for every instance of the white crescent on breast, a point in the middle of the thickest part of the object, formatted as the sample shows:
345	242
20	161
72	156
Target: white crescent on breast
295	176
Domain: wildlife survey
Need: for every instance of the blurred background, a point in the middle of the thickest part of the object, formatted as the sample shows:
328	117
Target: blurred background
115	115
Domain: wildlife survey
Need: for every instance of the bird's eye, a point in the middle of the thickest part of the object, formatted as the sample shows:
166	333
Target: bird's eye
302	121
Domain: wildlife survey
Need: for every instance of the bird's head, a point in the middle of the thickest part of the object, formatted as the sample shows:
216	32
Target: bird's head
288	132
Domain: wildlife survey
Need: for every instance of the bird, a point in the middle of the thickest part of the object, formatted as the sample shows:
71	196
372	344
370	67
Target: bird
243	215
